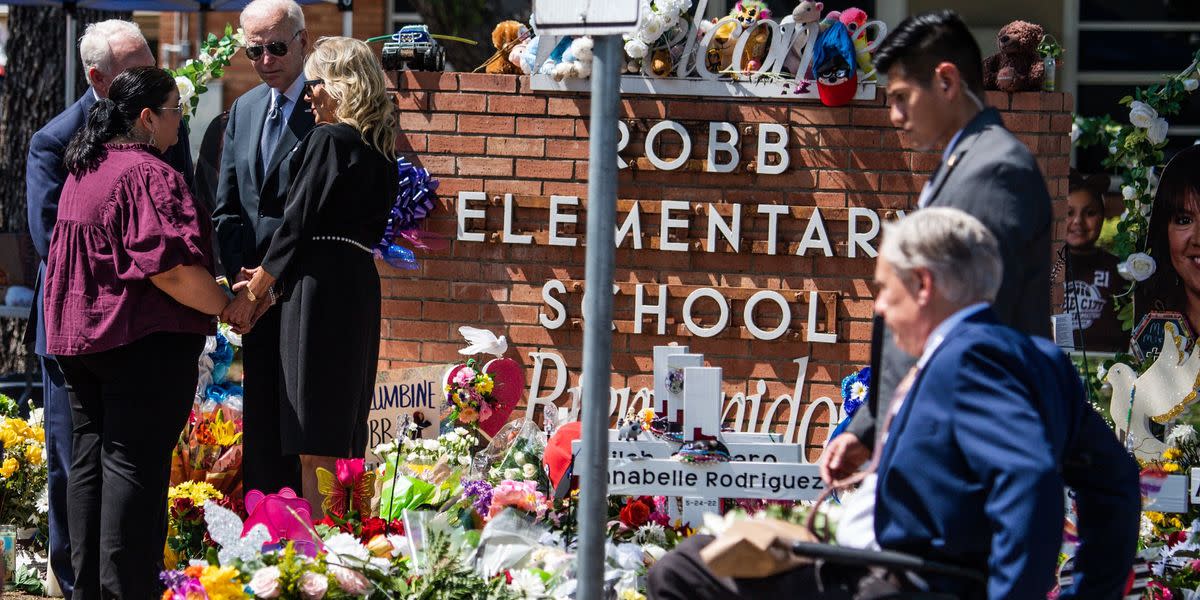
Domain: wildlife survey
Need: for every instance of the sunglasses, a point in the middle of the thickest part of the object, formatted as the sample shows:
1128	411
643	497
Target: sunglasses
275	48
309	84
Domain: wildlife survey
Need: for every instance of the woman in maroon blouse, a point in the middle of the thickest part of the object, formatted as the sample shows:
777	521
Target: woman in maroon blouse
129	300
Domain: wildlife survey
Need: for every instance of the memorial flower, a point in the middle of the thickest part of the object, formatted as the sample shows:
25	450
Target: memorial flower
1139	266
215	54
1141	114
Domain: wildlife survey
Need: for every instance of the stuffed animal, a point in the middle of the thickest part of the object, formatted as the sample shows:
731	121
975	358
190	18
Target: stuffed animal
506	37
1017	66
576	62
831	17
527	57
805	13
833	65
720	52
855	19
556	56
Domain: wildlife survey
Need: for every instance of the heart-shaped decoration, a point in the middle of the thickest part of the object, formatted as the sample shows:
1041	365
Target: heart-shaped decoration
508	378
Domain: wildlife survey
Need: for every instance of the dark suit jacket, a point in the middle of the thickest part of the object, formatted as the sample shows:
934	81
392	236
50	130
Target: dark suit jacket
44	179
976	460
243	229
992	176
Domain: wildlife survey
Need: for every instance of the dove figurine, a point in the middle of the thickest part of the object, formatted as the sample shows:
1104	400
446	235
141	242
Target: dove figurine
482	341
1161	393
225	528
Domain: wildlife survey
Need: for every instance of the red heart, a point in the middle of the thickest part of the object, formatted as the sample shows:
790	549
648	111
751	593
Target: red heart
508	377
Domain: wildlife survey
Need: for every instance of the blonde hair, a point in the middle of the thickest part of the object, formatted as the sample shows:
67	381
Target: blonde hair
354	78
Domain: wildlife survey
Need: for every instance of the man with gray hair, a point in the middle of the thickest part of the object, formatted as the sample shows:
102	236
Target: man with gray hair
981	437
264	125
106	49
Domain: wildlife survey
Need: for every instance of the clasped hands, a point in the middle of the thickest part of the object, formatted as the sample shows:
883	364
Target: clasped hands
251	299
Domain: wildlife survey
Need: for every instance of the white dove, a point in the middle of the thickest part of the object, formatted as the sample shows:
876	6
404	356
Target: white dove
1161	393
225	528
482	341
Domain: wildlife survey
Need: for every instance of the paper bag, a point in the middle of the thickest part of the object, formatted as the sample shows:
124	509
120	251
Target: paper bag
755	548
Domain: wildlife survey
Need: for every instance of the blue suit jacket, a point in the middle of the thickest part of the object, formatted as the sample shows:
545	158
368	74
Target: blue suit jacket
973	472
44	180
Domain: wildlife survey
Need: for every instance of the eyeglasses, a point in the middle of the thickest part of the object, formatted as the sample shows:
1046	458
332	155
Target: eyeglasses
275	48
178	107
309	84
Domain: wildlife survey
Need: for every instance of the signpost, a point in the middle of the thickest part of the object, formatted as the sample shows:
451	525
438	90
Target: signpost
606	20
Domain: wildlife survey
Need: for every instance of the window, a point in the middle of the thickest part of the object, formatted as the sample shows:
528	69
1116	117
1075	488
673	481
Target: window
402	13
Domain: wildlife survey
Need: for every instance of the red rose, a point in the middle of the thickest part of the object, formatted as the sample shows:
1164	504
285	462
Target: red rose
634	514
182	506
372	527
1176	538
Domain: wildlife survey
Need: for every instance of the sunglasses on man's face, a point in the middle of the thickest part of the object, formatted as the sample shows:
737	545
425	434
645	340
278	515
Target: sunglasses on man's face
275	48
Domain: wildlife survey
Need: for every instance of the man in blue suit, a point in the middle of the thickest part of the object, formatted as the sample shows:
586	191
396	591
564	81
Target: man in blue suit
981	437
106	49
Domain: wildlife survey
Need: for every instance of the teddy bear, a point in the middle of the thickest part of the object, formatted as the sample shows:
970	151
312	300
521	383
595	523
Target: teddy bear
805	13
1017	66
505	37
719	56
576	61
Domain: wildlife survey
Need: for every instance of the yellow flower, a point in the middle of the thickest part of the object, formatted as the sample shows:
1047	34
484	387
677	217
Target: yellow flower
9	467
221	583
1155	517
224	432
1171	467
39	434
631	595
1176	523
33	454
1171	453
8	437
196	491
484	384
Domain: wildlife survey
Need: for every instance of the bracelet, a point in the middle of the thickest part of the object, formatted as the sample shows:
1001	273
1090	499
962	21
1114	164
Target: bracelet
271	294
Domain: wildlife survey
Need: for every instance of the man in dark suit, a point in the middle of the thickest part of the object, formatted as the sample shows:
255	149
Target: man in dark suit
106	49
982	435
265	125
935	82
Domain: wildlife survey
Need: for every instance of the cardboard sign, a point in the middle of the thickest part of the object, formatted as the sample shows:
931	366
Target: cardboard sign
405	396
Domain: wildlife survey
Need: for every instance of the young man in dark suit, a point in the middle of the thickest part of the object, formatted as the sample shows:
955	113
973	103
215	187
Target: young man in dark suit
106	49
982	435
265	125
934	91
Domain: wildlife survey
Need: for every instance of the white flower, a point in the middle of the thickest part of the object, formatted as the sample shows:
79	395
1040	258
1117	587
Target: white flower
858	391
412	456
461	431
652	28
529	471
1147	527
1182	434
512	474
527	584
186	88
451	437
43	501
345	549
636	49
206	58
1157	133
464	460
519	457
1138	267
1128	192
1141	114
265	583
1101	372
1190	85
1112	149
430	445
1075	132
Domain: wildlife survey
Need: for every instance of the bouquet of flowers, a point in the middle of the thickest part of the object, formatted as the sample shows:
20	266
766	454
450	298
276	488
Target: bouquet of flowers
210	446
469	392
215	54
23	469
185	522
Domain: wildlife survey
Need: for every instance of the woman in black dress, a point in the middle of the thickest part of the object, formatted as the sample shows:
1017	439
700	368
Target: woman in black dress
320	260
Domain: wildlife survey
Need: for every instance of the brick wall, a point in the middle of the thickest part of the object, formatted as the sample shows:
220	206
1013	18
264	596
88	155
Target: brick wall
492	134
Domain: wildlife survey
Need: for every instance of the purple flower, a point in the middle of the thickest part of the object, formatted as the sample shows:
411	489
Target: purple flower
482	492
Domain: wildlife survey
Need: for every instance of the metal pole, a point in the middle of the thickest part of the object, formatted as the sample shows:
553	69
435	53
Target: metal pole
597	334
348	23
69	79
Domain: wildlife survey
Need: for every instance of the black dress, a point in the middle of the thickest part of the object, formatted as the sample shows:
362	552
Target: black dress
329	341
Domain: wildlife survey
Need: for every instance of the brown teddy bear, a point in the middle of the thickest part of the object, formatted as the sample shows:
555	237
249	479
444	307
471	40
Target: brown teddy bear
1017	66
505	36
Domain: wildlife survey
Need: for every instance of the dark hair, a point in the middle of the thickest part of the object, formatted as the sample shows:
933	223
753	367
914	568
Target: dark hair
1178	190
923	41
1093	185
130	92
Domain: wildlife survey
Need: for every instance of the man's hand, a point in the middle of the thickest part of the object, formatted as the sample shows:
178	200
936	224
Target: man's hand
240	312
843	456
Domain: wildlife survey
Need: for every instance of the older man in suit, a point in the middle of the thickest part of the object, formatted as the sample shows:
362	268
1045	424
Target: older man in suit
980	438
265	125
935	82
106	49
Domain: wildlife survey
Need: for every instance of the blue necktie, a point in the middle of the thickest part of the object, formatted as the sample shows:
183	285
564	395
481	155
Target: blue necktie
271	130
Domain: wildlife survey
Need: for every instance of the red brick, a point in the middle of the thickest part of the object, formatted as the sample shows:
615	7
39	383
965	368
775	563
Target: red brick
414	100
534	126
857	138
399	309
509	313
487	82
486	167
896	182
486	124
997	99
398	349
1029	101
1060	123
567	149
428	80
511	186
521	105
759	113
410	142
546	169
870	117
466	144
698	111
411	121
440	353
459	102
1020	122
572	107
516	146
642	109
880	161
479	292
455	312
820	116
421	331
841	180
438	165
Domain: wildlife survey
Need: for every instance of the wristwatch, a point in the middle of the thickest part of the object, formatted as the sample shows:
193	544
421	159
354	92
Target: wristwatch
250	294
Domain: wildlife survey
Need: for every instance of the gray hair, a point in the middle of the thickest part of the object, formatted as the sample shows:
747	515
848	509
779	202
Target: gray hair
94	48
290	9
956	248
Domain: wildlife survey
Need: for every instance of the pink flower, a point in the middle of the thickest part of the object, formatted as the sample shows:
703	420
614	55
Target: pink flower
312	586
352	582
265	583
349	470
518	494
465	377
1159	591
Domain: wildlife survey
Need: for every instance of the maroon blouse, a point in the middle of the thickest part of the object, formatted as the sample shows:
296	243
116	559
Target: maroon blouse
131	218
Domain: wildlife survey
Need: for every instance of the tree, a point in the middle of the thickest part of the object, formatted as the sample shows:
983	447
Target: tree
33	94
470	19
